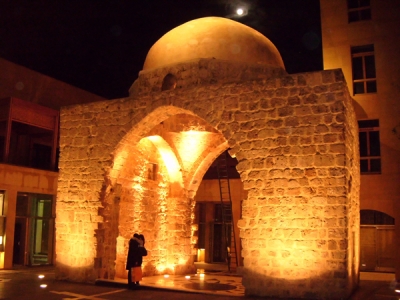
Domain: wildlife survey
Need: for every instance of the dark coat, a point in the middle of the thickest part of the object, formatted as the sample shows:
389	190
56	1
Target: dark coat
136	252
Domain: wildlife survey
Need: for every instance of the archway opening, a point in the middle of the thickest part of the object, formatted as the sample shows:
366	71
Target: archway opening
151	190
377	246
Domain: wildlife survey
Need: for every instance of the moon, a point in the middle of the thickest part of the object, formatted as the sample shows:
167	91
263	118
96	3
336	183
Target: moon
240	11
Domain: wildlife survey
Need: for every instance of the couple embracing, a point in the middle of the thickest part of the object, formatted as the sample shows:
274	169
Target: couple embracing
134	260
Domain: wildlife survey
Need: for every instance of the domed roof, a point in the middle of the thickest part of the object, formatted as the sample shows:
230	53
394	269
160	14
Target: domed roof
213	37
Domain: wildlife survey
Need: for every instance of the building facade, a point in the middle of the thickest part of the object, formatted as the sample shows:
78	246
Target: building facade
29	122
362	38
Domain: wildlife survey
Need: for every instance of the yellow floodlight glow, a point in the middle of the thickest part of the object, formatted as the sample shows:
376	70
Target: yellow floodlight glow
191	144
201	254
169	158
119	161
240	11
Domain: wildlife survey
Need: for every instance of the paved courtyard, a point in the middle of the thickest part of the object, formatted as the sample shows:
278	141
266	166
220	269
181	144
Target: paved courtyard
28	284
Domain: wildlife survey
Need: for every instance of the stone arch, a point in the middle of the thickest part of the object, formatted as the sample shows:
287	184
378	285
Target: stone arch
168	207
203	167
172	164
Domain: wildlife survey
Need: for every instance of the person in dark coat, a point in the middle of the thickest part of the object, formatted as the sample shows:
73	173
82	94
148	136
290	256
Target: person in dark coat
136	252
143	252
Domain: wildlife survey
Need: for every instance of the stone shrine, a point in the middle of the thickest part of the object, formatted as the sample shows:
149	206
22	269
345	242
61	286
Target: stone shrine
134	165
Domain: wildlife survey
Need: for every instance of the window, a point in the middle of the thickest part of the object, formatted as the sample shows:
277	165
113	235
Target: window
359	10
373	217
152	171
363	64
169	82
201	219
33	230
370	153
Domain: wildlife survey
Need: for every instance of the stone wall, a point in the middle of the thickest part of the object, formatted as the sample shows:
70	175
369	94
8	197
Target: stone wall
200	72
295	139
300	224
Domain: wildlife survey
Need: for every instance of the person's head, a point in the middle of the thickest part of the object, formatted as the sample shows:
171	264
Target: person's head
141	236
136	236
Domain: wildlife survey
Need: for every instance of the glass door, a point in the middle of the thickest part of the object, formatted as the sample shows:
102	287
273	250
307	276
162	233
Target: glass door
42	224
34	230
20	230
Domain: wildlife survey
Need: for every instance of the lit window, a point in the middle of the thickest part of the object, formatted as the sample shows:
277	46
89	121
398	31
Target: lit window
359	10
370	152
363	64
152	171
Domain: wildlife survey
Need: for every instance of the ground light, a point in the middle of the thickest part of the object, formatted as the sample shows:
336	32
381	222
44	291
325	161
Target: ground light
43	285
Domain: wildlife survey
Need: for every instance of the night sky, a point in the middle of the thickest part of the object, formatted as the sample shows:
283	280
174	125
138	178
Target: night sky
100	45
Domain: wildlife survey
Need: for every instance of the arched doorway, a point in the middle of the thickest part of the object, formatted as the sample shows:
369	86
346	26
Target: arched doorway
151	190
377	245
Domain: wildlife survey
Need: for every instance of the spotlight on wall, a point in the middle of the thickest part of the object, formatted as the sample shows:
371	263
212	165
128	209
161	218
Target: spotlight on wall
1	244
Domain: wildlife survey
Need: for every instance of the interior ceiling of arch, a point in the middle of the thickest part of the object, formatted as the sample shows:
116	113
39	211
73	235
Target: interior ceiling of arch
183	122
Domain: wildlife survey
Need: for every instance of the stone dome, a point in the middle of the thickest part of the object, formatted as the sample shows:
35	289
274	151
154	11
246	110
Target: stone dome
213	37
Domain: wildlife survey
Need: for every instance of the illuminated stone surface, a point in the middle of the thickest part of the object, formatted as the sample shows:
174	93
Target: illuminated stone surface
213	37
296	141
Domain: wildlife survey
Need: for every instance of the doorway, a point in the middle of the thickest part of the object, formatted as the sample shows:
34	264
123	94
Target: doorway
377	247
211	231
219	242
19	241
34	230
378	251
